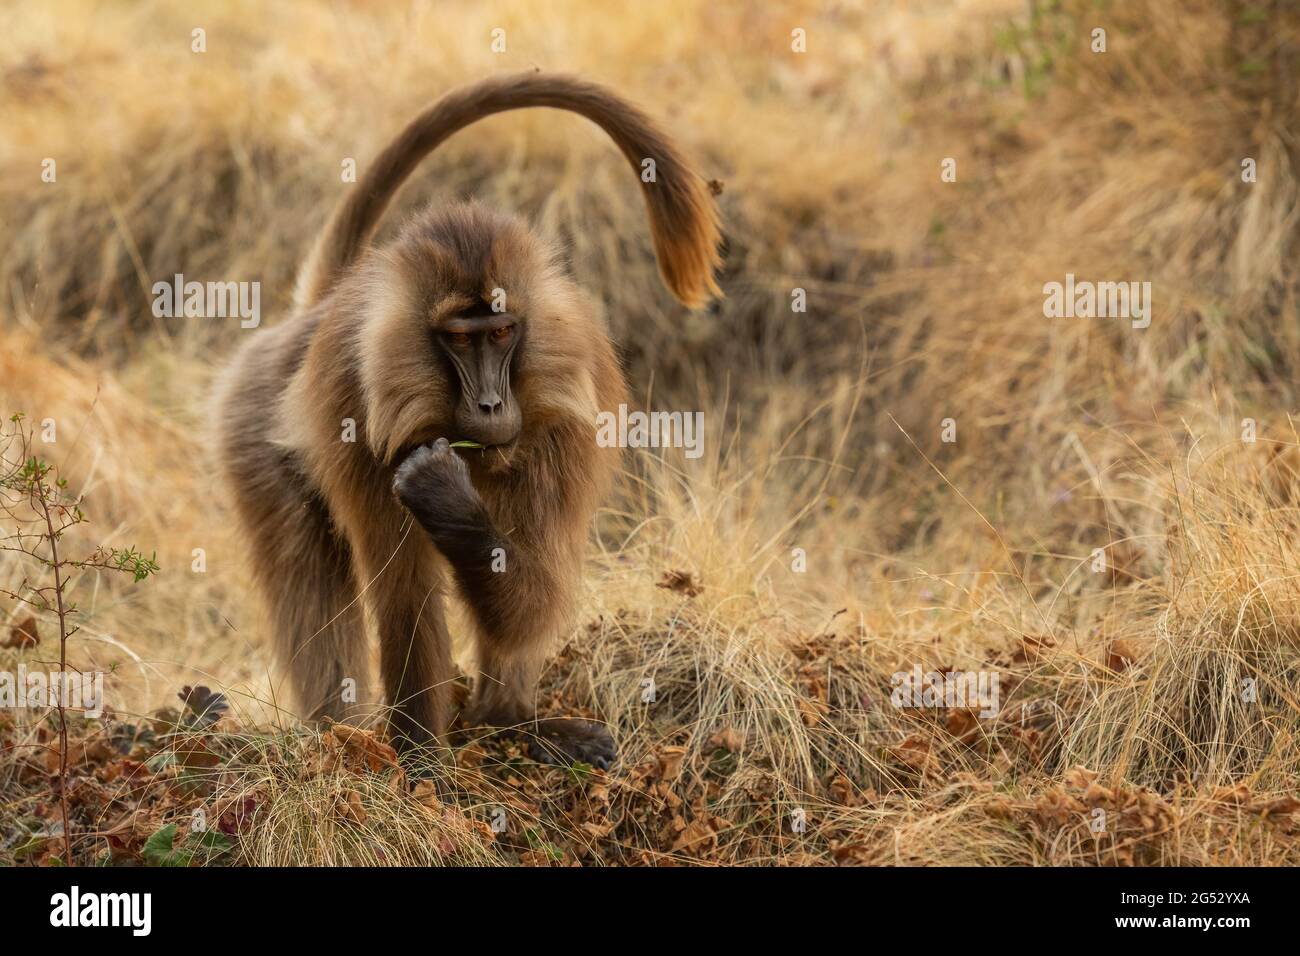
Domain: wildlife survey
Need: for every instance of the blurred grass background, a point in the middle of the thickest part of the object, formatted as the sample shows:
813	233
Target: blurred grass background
823	428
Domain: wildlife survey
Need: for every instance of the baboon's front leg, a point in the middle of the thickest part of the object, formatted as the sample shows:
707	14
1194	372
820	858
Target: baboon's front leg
518	592
414	648
400	576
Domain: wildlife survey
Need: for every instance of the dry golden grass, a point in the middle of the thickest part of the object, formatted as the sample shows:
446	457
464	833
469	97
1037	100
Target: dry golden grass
1122	690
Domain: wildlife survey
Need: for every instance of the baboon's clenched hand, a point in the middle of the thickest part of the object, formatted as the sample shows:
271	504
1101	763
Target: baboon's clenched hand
433	484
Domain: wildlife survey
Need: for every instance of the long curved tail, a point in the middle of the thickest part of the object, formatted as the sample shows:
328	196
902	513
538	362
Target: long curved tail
683	214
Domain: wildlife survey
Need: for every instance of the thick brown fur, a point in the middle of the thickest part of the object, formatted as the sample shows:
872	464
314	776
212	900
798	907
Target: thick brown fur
330	541
683	216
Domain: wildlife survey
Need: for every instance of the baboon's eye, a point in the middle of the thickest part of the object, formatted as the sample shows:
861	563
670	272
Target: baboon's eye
458	340
502	335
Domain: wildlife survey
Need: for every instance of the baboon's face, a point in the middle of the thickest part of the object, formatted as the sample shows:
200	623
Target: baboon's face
478	347
473	332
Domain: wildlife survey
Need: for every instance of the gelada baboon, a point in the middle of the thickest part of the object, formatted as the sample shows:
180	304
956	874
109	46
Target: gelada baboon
335	429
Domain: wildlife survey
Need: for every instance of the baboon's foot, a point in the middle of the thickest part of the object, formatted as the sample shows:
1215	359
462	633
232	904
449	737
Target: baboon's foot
568	740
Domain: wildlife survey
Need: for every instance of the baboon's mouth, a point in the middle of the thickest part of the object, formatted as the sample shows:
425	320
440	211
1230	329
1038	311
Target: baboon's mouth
473	444
460	444
501	447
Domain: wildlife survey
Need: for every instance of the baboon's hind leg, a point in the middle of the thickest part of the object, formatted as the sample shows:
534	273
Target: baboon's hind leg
319	628
302	566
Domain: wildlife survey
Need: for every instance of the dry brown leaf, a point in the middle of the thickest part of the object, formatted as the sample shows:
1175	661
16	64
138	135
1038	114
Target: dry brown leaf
696	837
1236	794
1000	808
1276	808
667	795
194	753
852	853
1097	794
23	634
598	830
471	756
1080	778
728	738
1120	655
348	807
812	712
963	723
1032	647
683	582
843	792
670	763
364	744
426	795
914	752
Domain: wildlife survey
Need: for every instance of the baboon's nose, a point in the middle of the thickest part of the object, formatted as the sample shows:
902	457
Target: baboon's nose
490	420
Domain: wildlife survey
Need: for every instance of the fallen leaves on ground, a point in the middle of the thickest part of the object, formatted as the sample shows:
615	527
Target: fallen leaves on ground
23	634
683	582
